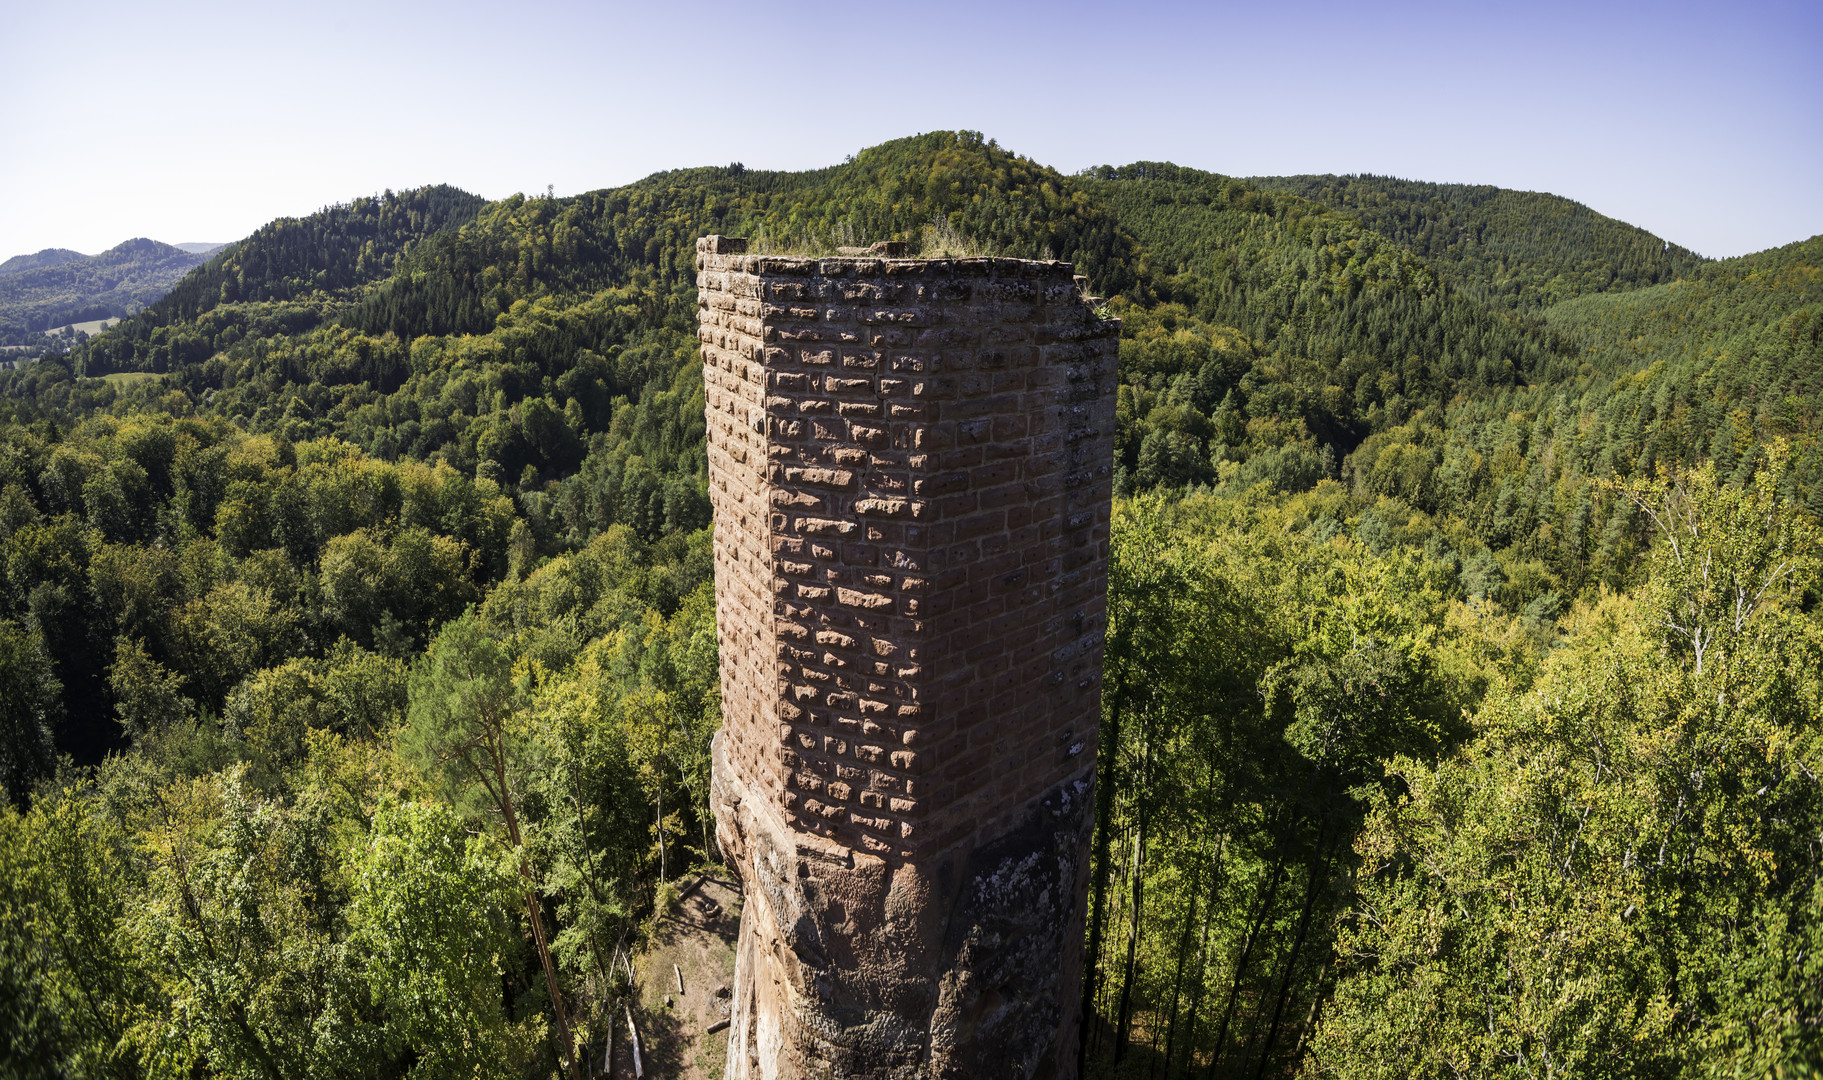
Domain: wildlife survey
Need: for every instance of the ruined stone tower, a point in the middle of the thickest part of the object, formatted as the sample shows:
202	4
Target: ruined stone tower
910	465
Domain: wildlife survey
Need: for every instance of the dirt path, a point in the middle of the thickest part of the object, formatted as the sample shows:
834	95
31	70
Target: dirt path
695	940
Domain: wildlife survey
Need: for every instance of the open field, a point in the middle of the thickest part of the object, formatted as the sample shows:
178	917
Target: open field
91	328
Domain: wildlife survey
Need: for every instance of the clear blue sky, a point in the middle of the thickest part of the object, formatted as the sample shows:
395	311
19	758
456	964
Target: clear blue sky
191	121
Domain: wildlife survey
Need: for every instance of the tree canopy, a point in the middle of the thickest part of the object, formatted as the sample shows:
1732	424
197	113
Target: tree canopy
358	660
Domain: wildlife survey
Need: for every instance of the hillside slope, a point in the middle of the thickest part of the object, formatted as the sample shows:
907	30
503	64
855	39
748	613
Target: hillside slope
1523	250
1267	337
1712	368
117	282
47	257
292	271
1352	334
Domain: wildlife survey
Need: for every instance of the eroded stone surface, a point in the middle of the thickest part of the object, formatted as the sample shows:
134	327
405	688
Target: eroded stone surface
910	464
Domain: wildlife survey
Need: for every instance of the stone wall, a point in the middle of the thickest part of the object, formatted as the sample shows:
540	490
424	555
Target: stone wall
910	466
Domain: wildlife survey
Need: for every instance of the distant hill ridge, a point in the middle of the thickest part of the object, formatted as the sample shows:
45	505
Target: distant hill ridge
1522	250
1363	328
57	287
47	257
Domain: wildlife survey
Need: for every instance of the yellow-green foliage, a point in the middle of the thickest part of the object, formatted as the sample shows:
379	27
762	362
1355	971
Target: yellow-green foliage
322	883
1617	874
396	586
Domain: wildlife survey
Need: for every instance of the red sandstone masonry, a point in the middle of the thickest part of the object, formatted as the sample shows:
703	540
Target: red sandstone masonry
910	463
910	467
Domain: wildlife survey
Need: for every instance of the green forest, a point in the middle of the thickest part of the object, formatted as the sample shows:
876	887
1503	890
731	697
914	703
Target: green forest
1461	702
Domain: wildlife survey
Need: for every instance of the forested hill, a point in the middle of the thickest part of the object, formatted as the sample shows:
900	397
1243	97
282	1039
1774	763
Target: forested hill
1267	338
1437	737
290	273
527	248
1334	324
56	291
47	257
1349	332
1523	250
1712	368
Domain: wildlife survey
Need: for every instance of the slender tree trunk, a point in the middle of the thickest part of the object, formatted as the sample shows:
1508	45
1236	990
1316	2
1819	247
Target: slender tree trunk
1152	1045
534	909
1123	1036
1183	948
588	854
1241	962
703	816
1177	978
1106	755
1310	1017
1202	975
1123	1033
1319	872
1121	855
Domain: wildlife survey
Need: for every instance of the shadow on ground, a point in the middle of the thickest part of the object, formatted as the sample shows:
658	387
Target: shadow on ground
693	941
